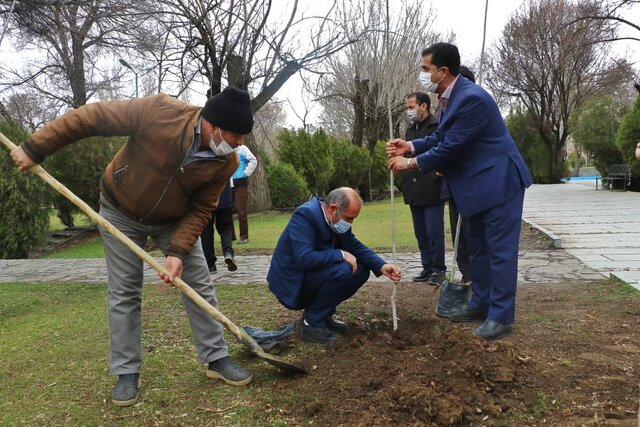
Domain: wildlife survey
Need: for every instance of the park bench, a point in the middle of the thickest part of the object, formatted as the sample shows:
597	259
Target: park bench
616	173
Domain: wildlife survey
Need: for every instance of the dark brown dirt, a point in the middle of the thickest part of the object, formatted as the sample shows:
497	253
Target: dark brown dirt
573	360
532	240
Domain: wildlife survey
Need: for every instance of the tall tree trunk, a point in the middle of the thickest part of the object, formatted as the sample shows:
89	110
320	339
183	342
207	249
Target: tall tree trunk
556	161
77	78
259	196
359	109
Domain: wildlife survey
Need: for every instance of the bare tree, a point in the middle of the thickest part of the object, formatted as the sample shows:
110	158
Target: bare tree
268	121
552	67
249	44
30	111
612	13
72	37
358	82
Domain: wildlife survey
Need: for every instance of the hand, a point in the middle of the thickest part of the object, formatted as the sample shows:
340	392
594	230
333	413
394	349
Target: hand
392	272
174	265
397	147
638	151
398	164
22	161
351	260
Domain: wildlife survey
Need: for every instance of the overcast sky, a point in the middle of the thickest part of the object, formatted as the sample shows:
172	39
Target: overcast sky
465	18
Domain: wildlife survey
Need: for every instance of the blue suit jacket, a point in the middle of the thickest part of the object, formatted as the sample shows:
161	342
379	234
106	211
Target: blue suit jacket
307	244
473	148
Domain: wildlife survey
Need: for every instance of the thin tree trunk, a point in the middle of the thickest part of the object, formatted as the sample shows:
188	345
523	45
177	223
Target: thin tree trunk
259	196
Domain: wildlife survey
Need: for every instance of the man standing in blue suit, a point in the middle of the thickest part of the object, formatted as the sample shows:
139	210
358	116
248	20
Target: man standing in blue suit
318	263
487	179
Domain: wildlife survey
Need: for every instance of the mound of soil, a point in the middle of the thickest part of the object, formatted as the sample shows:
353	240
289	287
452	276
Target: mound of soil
572	360
415	376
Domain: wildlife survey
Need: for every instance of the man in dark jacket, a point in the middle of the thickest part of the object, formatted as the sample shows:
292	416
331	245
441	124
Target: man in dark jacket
222	219
422	193
487	178
462	259
164	182
318	263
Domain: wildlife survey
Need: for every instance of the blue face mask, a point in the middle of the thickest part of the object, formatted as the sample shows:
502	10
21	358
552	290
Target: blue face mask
341	226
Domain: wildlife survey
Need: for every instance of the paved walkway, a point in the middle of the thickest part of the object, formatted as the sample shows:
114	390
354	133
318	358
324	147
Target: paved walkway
600	228
535	267
598	231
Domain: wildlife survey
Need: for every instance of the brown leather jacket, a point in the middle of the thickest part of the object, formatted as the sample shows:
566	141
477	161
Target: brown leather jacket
147	179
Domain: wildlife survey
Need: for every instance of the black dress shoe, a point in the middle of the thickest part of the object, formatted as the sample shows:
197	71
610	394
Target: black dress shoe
436	278
125	392
336	325
491	330
318	335
422	277
231	262
466	314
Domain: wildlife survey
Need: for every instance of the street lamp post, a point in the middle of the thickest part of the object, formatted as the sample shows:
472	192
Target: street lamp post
126	65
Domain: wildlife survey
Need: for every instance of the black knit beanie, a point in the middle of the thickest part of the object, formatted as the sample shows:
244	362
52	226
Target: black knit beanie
230	110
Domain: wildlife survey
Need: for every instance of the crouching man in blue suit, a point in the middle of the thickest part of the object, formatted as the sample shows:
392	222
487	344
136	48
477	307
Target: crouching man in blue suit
487	178
318	263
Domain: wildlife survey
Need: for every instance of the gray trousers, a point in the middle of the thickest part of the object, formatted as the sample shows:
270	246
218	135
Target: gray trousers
124	280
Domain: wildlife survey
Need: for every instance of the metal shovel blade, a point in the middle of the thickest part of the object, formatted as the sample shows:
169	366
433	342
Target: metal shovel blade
242	336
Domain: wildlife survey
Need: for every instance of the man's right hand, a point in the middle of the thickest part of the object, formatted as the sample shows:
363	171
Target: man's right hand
22	161
397	147
351	260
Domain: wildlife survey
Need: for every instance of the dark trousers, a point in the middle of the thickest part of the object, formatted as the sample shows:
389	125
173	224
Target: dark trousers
463	244
324	289
494	236
240	200
223	221
428	226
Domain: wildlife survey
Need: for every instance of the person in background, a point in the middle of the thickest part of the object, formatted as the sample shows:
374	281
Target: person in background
422	193
222	219
638	151
318	263
240	185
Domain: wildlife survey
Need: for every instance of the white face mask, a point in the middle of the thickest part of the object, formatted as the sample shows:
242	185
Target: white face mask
222	149
413	115
427	84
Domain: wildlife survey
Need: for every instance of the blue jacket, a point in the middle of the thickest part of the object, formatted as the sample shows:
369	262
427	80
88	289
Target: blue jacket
473	148
307	244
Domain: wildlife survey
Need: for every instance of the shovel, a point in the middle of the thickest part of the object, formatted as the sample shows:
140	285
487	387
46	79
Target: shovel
239	333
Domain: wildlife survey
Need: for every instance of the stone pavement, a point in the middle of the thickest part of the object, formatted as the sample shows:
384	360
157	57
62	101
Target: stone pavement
600	228
535	267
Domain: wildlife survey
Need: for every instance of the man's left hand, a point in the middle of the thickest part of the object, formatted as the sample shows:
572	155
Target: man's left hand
392	272
174	265
398	164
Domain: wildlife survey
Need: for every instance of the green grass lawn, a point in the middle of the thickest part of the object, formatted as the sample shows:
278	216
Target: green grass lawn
54	370
372	227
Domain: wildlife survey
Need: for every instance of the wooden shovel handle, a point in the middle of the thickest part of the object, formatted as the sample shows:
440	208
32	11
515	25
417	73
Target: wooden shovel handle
178	282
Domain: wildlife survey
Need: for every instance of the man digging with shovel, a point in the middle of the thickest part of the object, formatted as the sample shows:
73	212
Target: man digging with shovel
164	183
